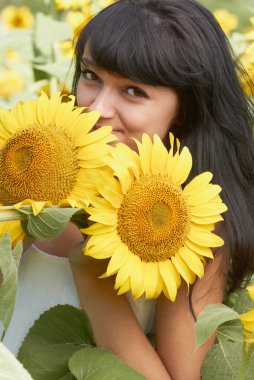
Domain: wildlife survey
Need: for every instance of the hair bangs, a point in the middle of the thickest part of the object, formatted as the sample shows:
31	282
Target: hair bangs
119	40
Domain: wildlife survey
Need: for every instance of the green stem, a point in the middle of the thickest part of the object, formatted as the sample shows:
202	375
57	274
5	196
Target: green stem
248	349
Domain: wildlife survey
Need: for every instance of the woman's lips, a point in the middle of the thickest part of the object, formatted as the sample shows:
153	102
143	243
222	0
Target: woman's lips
114	130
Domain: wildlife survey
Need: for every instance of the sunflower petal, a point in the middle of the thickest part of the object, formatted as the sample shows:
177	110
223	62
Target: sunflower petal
193	261
188	276
205	238
117	260
159	156
170	277
182	167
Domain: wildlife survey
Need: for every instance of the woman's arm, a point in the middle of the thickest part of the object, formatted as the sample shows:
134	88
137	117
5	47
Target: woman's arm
113	322
116	328
175	323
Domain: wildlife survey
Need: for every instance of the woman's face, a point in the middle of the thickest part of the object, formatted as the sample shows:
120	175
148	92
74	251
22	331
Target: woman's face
131	108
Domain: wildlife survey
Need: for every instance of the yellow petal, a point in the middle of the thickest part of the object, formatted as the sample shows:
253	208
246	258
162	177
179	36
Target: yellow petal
201	251
91	152
198	183
188	276
110	190
170	277
103	239
205	238
251	291
97	229
182	167
101	250
121	172
208	209
104	217
204	196
14	228
118	258
137	278
128	157
159	156
124	287
124	272
8	125
145	150
82	126
151	277
206	219
37	207
193	261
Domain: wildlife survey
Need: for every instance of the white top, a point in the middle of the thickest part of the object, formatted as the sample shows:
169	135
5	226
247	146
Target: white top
46	281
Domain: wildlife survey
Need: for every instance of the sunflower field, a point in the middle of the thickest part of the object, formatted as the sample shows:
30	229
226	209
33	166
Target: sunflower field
37	40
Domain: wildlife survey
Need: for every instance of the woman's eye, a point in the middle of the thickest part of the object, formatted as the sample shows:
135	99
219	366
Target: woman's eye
89	75
136	91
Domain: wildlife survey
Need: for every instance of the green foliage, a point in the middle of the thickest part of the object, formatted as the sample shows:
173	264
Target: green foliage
222	362
212	317
53	339
59	347
10	367
9	262
49	31
49	223
230	358
97	364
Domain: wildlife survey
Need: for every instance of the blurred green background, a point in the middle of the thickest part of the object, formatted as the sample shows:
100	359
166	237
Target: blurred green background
39	56
243	8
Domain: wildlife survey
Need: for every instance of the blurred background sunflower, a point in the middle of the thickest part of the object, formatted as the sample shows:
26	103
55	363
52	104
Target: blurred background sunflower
37	40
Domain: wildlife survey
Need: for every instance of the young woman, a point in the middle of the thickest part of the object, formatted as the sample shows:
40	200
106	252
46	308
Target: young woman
156	66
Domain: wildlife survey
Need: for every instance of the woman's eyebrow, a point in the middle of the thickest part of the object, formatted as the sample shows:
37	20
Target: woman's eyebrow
87	61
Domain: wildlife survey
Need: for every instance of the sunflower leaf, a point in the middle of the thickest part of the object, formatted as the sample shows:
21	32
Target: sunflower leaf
10	367
222	362
50	223
94	363
52	340
212	317
9	262
240	301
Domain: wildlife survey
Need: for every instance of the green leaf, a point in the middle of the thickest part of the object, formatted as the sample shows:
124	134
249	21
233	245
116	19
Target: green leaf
49	31
10	367
231	331
50	223
97	364
54	338
9	262
243	302
223	362
212	317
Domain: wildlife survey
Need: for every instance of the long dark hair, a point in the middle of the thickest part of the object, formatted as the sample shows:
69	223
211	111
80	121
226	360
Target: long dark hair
179	44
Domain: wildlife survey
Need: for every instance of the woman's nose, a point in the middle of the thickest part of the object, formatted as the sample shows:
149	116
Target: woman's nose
104	102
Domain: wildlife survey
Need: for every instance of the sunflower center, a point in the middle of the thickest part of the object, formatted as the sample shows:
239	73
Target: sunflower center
23	158
160	215
38	163
154	218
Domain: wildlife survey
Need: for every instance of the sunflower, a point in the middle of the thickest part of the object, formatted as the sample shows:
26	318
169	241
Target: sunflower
153	230
17	17
11	83
247	319
48	151
72	4
14	229
227	20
